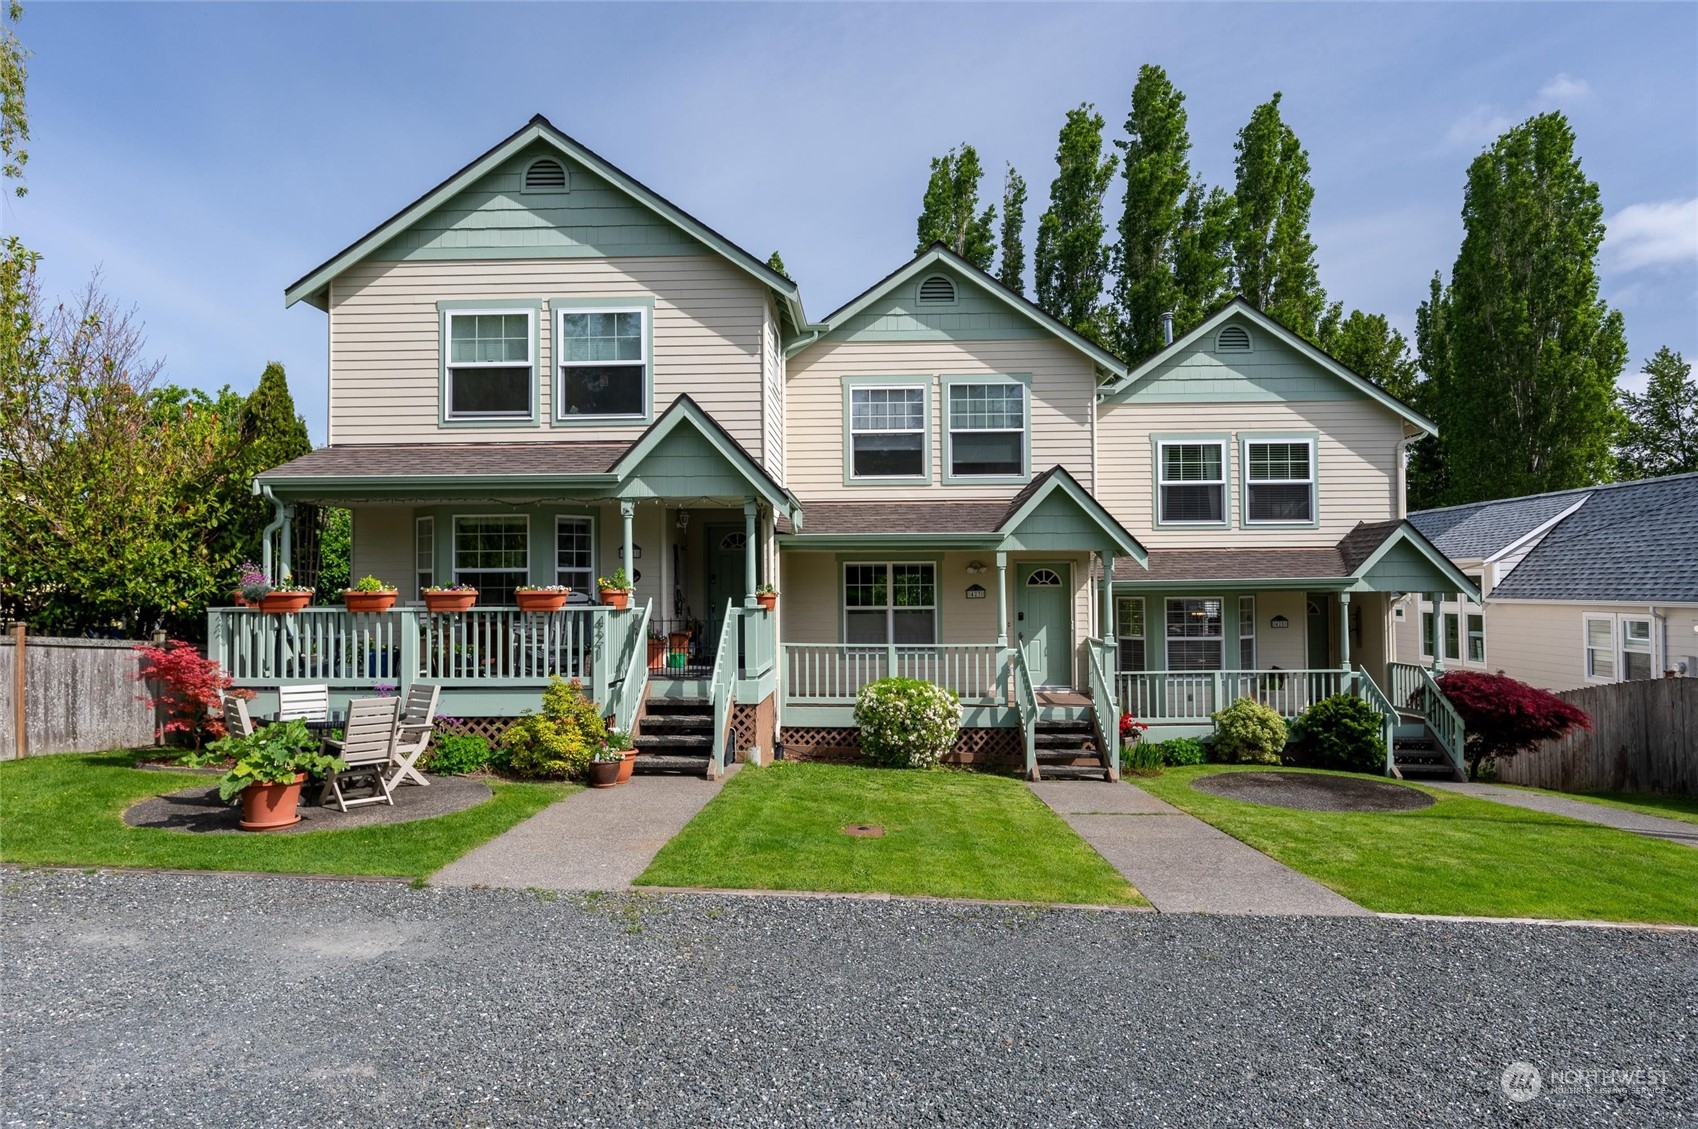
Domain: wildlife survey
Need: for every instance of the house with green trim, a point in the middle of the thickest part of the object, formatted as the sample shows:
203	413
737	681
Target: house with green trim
541	371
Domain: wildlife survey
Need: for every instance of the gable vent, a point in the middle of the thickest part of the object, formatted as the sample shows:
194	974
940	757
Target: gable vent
937	290
1233	339
545	174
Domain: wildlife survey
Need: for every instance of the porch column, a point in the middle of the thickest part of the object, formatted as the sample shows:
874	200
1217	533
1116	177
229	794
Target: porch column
750	547
628	511
1107	632
1002	599
286	563
1344	630
1438	631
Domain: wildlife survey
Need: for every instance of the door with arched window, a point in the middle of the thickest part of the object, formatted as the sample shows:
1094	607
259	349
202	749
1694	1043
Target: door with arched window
1043	622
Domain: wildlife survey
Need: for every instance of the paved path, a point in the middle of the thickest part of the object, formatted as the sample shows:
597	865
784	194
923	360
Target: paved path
1655	826
1180	863
597	839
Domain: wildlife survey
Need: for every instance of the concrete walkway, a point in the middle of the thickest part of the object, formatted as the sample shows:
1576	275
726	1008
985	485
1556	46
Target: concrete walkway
597	839
1180	863
1674	830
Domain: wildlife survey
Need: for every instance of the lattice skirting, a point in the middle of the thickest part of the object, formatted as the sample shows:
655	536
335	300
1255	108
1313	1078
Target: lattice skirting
489	728
983	748
754	726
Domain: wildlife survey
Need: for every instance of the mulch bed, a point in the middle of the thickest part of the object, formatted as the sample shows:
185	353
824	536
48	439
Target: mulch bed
199	809
1313	792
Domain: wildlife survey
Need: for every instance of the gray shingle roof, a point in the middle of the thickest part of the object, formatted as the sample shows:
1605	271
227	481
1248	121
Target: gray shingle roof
404	460
1476	531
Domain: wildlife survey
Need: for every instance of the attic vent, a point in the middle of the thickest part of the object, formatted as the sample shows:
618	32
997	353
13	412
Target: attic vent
544	175
937	290
1233	339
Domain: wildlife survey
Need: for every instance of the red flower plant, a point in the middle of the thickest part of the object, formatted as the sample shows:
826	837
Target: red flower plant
1131	727
189	687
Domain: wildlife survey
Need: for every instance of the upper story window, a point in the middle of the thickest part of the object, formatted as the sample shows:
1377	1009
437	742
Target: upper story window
936	290
987	430
1232	339
1192	483
602	358
490	373
1279	482
887	432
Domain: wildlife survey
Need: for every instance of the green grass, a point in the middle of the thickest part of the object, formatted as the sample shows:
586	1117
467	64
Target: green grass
947	834
1461	856
66	810
1683	808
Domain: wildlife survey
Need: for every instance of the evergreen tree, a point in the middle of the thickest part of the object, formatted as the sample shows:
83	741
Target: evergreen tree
1273	256
775	261
1367	345
1426	479
1157	170
269	434
1071	258
1202	256
950	213
1524	353
1012	271
1661	433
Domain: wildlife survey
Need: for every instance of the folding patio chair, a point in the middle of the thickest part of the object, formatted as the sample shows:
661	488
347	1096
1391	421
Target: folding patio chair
367	747
237	723
418	716
309	703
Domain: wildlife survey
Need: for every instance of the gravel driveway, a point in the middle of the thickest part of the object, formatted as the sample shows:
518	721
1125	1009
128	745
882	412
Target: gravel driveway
145	1000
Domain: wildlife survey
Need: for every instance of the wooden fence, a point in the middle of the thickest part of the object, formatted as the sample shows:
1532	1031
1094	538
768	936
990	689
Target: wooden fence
74	696
1644	738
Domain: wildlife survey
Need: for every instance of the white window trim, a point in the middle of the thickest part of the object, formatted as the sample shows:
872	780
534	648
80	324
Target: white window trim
1586	648
1251	601
560	314
1225	475
1621	648
588	593
950	474
1426	610
923	431
1312	482
420	527
1143	636
1167	640
454	545
890	608
1468	611
449	365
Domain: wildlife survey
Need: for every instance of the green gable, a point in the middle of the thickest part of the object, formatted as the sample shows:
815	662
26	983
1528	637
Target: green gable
975	315
684	463
1272	371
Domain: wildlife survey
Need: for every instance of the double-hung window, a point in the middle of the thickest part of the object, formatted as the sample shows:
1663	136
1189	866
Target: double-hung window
1129	631
1195	633
1600	648
424	554
574	557
890	603
1246	633
603	362
492	554
1476	638
987	430
887	432
1279	482
1192	483
1428	626
490	370
1635	648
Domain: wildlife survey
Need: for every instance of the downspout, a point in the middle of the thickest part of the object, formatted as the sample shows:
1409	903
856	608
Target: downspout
1400	455
270	531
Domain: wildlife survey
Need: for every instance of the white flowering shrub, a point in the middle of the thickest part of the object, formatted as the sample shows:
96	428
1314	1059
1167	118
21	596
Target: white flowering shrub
907	723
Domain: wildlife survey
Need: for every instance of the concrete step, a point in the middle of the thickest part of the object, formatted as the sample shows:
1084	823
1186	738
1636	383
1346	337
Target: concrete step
674	742
672	762
656	706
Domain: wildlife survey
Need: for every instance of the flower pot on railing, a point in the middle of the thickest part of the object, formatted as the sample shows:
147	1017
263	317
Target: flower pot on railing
449	599
380	601
616	598
767	600
283	601
549	599
237	599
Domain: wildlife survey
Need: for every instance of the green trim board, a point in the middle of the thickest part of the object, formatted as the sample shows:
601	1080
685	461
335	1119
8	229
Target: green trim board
921	381
1157	440
1397	562
1313	439
643	303
449	308
685	412
974	315
946	384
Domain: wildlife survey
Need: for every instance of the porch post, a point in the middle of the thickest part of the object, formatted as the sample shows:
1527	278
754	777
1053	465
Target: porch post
628	511
1344	630
1001	599
1438	631
749	548
287	564
1107	625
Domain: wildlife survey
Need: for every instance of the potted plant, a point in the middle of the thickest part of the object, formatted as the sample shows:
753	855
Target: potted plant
286	598
604	768
619	741
541	597
657	650
615	590
271	765
251	585
449	598
766	596
369	595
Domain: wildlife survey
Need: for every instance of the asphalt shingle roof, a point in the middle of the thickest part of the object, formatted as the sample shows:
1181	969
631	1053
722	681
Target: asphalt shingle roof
1476	531
403	460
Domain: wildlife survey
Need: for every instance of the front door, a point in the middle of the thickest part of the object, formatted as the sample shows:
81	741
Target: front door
1320	633
725	569
1043	622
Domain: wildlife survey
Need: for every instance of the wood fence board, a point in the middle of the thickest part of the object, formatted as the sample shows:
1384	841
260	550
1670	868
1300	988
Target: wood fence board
1644	738
80	695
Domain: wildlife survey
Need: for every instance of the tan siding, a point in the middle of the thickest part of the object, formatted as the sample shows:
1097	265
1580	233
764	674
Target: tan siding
772	365
1543	644
1063	389
383	545
385	341
1357	464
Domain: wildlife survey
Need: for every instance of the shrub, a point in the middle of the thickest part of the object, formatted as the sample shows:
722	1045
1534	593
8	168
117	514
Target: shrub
1502	717
190	686
1177	752
559	742
907	723
458	754
1343	731
1141	758
1248	732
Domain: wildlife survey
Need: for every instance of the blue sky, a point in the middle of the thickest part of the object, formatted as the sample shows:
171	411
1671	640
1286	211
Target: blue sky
205	156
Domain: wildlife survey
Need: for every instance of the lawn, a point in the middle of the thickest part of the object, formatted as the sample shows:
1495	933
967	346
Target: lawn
946	834
66	810
1461	856
1684	808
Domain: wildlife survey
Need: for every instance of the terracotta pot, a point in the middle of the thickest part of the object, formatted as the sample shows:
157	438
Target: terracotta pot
616	597
626	765
679	640
238	599
369	601
605	774
767	600
657	654
541	601
267	807
282	603
449	601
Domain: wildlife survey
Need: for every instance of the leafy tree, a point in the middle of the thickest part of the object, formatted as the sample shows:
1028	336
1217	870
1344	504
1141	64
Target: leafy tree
1521	353
335	550
1426	478
1156	167
1369	346
775	261
1202	255
14	117
1502	717
1071	258
1273	256
1661	434
950	214
1012	270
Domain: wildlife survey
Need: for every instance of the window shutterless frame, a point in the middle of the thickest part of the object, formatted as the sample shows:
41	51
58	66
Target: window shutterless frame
424	555
1129	630
1246	633
1190	475
482	353
887	427
491	552
601	360
574	556
1194	629
889	601
1278	479
1598	639
1635	639
987	429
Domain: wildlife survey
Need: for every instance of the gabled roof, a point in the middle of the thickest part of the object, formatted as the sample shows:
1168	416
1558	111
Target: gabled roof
686	413
311	285
1239	307
1481	531
939	253
1056	480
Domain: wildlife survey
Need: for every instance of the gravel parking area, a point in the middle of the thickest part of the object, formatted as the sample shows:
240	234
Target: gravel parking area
186	1000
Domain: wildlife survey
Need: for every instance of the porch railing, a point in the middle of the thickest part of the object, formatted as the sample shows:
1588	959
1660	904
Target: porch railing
1192	697
1414	690
1106	707
629	689
1025	697
721	689
833	673
1369	691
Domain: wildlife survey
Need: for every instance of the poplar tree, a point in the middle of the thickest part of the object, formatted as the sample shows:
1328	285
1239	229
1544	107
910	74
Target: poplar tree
1369	346
1661	432
1012	271
1202	255
1156	167
1071	258
1273	256
14	117
950	212
1522	353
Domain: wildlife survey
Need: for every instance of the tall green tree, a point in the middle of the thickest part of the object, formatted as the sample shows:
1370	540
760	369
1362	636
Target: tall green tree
1071	258
1202	255
1426	478
1369	346
1273	255
14	115
950	213
1661	432
1011	271
775	261
1521	352
1156	168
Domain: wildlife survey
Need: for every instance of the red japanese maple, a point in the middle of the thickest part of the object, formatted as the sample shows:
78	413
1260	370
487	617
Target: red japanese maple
188	690
1503	717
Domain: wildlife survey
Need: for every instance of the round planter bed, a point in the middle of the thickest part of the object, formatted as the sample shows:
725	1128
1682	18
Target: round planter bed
199	810
1313	791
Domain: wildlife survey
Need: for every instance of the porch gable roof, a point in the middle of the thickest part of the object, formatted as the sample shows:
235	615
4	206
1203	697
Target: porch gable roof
686	453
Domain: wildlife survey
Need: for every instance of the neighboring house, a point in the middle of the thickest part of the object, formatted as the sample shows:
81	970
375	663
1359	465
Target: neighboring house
1580	586
541	370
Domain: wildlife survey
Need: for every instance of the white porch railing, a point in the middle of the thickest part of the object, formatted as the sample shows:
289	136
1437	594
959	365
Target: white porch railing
1191	697
833	673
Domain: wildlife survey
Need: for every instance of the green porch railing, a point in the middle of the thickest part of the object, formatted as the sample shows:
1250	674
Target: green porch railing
1192	697
631	687
1025	697
833	673
1105	707
721	689
1415	691
1369	691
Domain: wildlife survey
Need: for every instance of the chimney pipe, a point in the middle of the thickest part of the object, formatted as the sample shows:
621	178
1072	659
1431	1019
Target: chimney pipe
1167	328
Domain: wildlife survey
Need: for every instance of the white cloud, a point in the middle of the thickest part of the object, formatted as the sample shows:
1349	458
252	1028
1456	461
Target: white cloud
1564	88
1486	122
1659	233
1479	126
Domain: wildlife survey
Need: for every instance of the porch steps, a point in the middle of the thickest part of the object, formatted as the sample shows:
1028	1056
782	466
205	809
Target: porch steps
675	735
1417	753
1066	749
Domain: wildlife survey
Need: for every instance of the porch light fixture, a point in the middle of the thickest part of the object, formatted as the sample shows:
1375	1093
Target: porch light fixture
1279	621
975	567
683	519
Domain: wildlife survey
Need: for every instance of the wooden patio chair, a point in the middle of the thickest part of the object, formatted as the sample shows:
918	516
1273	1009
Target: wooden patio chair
368	748
309	703
237	723
418	716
